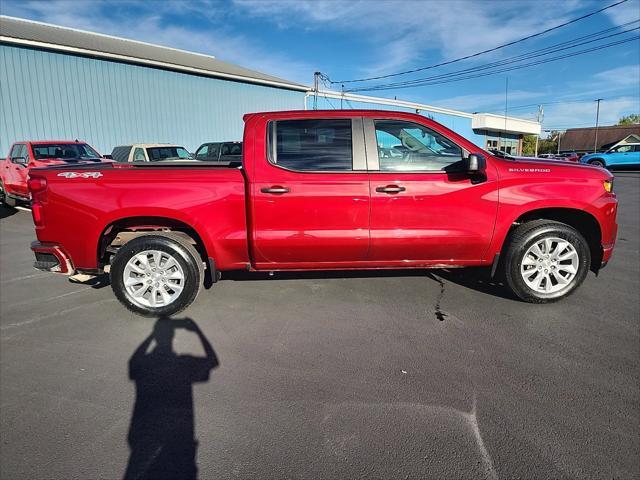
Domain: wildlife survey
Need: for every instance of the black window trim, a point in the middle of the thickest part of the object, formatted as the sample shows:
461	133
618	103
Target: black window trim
358	155
373	161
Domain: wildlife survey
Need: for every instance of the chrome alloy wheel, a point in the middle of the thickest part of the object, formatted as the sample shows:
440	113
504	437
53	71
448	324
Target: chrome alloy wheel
153	278
550	265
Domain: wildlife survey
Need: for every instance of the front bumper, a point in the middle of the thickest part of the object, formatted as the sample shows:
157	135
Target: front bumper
51	258
607	252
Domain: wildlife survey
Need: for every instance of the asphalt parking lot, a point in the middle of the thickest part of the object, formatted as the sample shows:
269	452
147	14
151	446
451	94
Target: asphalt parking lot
342	375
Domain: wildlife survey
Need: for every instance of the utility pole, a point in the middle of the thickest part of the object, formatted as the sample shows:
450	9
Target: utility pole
506	98
316	78
540	117
595	142
559	137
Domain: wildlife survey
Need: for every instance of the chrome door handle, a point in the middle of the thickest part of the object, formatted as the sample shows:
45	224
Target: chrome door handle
390	189
276	189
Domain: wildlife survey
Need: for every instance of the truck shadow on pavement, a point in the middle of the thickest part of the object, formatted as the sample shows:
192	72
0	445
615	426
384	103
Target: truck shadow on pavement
478	279
162	430
7	211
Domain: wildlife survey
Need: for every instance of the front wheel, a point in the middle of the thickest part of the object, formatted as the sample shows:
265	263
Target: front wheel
156	275
597	162
545	261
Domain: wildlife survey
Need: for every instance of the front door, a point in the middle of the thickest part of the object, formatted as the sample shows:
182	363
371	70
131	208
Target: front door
310	195
16	170
424	209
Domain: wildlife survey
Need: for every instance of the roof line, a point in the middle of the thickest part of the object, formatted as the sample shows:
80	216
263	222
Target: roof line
104	35
388	101
145	61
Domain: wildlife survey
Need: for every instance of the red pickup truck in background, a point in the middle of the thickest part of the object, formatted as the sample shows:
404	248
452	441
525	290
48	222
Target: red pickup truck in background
347	189
24	156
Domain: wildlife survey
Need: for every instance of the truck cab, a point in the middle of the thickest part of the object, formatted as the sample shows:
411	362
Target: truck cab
222	152
149	152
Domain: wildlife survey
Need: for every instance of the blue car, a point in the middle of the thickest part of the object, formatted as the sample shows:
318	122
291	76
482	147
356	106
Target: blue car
620	156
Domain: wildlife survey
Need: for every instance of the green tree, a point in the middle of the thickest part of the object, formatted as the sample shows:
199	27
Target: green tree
630	119
529	145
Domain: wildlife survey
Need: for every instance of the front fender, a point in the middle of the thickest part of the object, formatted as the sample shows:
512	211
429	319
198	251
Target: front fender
519	198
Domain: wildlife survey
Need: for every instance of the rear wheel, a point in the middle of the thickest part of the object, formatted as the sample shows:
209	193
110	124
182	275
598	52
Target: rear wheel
545	261
597	162
157	275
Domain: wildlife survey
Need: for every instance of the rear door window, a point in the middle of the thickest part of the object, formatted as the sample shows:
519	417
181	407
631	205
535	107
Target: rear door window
311	145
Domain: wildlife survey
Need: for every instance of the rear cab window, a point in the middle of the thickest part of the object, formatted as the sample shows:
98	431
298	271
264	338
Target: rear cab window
121	154
65	151
311	145
157	154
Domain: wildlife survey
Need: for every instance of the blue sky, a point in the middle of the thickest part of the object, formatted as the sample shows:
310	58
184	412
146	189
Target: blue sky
352	39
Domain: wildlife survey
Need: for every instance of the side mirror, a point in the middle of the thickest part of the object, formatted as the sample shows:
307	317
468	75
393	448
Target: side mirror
20	161
475	163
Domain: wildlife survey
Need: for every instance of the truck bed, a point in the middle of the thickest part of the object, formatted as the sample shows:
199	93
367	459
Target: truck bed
91	198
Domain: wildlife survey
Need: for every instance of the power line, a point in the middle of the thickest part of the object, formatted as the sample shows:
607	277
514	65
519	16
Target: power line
510	60
530	105
449	62
439	79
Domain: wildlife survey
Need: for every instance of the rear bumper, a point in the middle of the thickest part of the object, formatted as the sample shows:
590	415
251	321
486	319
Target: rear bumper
52	258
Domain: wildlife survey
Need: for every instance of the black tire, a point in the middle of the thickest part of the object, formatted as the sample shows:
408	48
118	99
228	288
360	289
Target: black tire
598	162
181	250
522	238
4	198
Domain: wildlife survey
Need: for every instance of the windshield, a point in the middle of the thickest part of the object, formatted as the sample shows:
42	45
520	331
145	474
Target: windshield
65	151
167	153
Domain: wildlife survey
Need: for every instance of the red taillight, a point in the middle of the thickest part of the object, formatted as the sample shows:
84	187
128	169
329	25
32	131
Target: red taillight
36	213
36	184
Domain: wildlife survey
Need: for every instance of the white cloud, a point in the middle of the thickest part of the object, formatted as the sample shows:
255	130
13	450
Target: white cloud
408	32
625	12
154	22
619	77
584	114
485	102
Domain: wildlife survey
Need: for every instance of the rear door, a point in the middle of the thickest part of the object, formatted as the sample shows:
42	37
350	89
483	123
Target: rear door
424	208
310	194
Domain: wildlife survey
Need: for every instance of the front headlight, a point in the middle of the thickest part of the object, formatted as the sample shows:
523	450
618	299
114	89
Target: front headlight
608	185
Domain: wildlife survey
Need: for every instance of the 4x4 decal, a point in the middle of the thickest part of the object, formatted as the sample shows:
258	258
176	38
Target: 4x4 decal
80	175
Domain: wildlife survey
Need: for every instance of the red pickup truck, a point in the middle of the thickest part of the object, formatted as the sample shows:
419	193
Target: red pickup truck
23	156
347	189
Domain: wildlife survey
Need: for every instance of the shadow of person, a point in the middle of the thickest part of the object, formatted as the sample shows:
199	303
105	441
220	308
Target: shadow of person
162	431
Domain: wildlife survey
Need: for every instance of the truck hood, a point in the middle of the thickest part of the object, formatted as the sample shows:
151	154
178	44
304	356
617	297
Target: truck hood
550	162
558	166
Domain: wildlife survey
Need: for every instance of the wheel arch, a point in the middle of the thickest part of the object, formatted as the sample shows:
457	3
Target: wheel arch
582	221
125	229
